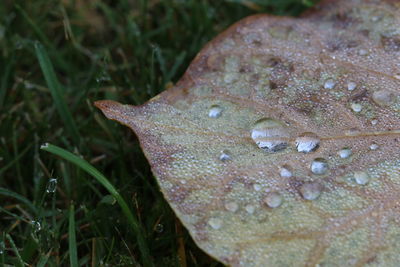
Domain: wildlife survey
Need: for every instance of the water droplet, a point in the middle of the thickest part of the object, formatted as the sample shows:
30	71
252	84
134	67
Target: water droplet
215	111
257	187
270	135
345	153
374	121
250	209
363	52
361	177
356	107
159	228
36	226
383	97
376	18
307	142
51	185
374	146
329	84
273	200
286	172
352	132
351	86
215	223
319	166
225	155
310	191
231	206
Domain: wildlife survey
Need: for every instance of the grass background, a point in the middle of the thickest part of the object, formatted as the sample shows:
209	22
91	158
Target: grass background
58	57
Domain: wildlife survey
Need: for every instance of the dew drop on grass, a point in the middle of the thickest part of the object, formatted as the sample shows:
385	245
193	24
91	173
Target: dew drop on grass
51	185
159	228
215	223
361	177
345	153
329	84
319	166
231	206
310	191
36	226
307	142
215	111
273	200
270	135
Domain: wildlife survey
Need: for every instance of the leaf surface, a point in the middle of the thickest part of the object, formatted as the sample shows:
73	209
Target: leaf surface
280	146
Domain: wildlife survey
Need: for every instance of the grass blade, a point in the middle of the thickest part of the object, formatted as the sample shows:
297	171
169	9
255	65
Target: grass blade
56	91
73	252
24	200
19	262
84	165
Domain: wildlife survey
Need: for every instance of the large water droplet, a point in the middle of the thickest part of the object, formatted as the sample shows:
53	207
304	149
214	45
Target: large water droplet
307	142
273	200
329	84
310	191
231	206
319	166
215	223
383	97
51	185
215	111
270	135
361	177
345	153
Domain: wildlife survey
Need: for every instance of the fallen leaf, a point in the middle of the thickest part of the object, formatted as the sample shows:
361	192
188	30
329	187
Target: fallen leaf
280	146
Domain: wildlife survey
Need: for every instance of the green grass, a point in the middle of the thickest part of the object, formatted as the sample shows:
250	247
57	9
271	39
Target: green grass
57	58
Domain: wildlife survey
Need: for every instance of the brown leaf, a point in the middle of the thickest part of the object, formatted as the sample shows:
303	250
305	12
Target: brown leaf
280	145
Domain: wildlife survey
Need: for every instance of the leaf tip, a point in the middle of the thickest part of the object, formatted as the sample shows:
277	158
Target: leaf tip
115	111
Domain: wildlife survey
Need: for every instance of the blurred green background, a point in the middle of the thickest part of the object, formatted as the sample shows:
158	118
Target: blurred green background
57	58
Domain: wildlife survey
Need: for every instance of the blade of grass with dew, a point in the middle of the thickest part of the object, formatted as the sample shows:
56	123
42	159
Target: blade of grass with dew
24	200
73	252
56	91
19	262
43	259
83	164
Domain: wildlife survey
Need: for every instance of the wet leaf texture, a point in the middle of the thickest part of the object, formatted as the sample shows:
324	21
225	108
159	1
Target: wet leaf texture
280	146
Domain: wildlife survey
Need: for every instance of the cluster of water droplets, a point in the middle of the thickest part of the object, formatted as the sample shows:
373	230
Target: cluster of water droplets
274	136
